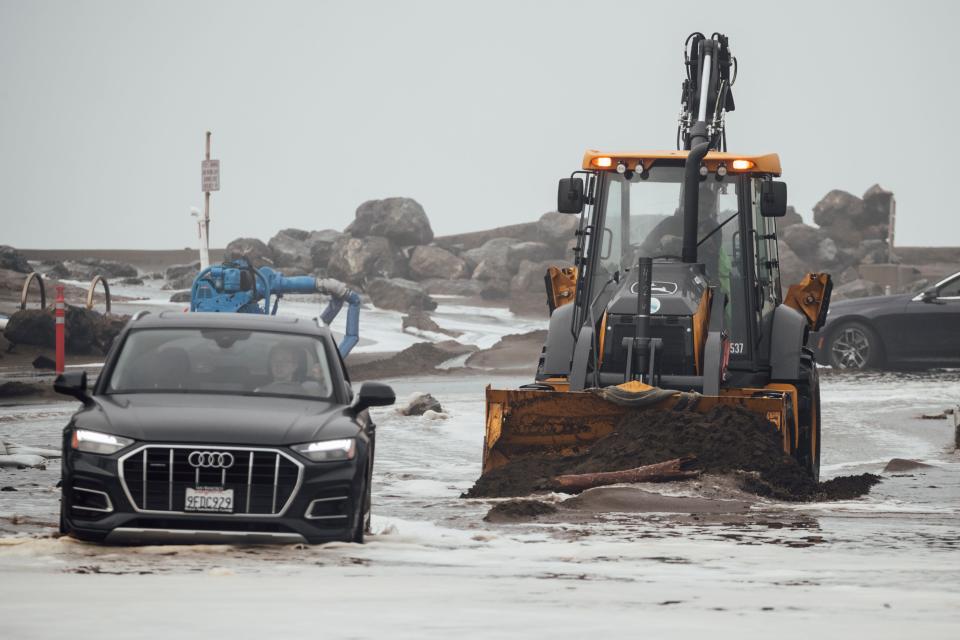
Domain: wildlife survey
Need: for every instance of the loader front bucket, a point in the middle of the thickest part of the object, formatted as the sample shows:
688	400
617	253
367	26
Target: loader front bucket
533	422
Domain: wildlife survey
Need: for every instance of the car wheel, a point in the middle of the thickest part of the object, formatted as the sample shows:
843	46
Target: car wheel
362	520
854	345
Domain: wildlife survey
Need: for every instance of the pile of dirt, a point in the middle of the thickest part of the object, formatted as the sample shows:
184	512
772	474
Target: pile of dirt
421	358
724	440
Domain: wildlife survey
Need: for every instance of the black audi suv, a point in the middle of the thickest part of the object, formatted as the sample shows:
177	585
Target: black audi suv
209	427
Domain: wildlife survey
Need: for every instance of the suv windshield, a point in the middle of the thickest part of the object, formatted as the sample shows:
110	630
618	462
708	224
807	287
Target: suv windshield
229	361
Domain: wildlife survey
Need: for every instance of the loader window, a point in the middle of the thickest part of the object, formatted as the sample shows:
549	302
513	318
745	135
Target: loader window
644	218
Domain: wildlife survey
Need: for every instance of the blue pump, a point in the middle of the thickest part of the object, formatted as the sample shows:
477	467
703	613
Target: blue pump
238	287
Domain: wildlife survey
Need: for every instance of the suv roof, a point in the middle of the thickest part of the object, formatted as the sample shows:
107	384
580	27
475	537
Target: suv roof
248	321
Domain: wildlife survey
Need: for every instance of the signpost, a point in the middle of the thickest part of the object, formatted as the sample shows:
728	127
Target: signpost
209	181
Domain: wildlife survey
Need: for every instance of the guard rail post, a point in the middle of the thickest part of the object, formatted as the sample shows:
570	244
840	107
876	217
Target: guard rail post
60	326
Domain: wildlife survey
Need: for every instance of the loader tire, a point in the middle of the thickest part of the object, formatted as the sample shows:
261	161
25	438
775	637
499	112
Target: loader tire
808	408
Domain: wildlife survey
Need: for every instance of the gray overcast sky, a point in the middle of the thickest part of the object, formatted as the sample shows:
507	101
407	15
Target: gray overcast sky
474	109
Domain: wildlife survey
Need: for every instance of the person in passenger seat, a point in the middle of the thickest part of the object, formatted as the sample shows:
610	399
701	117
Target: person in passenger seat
288	368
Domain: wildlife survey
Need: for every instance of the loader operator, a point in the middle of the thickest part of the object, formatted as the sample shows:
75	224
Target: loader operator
664	239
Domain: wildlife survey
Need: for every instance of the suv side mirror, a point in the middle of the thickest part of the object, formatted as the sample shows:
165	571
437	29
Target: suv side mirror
373	394
570	196
773	199
74	384
930	297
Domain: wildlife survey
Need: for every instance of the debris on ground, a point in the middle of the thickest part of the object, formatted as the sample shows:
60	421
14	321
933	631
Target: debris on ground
897	465
676	469
18	389
418	359
419	403
23	461
44	362
519	510
724	440
420	321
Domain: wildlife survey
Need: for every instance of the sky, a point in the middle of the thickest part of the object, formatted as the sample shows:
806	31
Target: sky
474	109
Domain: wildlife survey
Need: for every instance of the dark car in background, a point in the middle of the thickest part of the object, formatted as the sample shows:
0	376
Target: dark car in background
912	331
210	427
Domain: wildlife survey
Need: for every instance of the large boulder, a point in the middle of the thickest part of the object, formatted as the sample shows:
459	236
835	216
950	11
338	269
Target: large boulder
813	246
12	259
400	295
434	262
529	251
419	403
873	252
400	220
837	206
320	245
493	251
357	260
803	239
792	267
790	218
877	202
288	248
857	289
53	269
530	275
87	331
253	249
88	268
442	287
181	276
556	229
827	252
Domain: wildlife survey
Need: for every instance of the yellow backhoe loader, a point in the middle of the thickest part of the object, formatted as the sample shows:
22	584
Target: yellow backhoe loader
674	302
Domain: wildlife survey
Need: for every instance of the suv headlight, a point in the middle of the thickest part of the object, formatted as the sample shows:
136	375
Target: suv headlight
96	442
328	450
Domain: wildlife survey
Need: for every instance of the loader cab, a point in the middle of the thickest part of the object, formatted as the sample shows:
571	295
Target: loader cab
637	211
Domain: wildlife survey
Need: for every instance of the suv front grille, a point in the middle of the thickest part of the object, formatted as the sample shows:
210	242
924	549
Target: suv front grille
156	478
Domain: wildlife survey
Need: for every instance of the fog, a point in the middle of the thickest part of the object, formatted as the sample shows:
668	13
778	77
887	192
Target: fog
474	109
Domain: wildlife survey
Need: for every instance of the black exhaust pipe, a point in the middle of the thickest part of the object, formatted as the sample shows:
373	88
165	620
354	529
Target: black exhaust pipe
691	200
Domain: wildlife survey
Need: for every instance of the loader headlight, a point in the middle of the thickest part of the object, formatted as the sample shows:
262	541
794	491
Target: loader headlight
328	450
96	442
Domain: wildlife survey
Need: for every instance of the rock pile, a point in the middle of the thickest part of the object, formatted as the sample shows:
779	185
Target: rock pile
390	253
852	231
87	331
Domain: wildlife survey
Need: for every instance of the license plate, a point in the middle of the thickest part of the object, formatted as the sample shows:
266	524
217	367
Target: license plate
209	500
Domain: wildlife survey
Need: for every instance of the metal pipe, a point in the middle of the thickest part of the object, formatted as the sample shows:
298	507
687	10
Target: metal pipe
691	200
644	289
704	88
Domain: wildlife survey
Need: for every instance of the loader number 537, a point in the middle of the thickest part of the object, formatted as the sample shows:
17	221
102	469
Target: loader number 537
736	348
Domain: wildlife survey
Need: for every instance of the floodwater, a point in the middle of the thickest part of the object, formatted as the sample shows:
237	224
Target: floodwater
883	566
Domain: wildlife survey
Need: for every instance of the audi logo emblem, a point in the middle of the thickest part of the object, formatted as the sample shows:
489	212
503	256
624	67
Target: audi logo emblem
210	459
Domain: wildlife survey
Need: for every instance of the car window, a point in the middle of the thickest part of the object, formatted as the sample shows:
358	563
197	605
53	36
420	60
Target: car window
228	361
951	289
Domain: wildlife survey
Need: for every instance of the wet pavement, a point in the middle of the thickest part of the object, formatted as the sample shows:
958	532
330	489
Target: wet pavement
886	565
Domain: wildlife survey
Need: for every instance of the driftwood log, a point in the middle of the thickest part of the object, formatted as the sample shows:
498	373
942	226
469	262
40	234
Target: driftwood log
669	470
